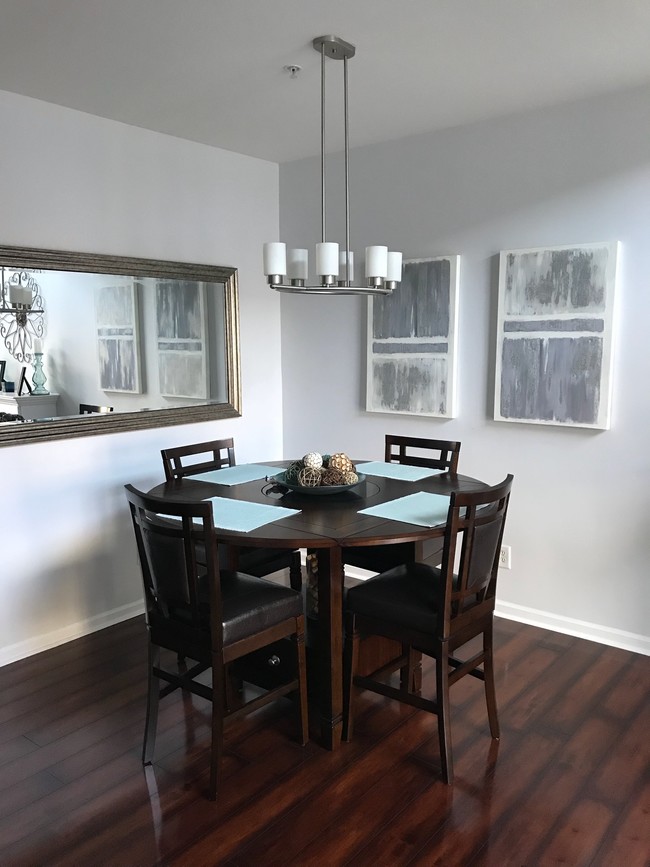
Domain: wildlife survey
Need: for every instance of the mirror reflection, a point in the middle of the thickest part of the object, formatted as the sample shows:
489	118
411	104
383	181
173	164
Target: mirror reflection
94	343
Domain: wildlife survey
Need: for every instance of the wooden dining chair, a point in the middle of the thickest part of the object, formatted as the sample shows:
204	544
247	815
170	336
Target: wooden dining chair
89	408
209	616
189	460
434	611
415	452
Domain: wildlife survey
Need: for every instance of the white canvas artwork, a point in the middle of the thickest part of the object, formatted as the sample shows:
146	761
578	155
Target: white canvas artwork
412	336
181	338
554	335
118	336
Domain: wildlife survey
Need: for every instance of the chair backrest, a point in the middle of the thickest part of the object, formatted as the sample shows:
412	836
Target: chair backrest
219	453
473	538
87	408
180	569
444	455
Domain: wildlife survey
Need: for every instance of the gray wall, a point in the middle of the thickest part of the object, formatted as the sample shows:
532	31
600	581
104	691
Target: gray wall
578	525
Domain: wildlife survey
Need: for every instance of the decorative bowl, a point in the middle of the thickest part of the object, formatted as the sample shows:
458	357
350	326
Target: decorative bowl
318	490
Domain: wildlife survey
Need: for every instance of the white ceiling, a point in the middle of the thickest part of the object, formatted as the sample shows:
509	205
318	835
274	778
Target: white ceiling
212	70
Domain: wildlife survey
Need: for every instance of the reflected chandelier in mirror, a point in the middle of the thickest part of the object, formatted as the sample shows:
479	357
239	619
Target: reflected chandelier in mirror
157	341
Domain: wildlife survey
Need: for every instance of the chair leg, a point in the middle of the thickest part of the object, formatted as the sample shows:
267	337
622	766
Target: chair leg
411	674
302	680
218	712
153	698
490	692
295	571
442	699
350	665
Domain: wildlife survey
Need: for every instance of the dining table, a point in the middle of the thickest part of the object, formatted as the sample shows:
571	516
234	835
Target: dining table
326	525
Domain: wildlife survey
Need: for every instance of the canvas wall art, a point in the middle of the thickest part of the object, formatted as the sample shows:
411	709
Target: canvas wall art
412	337
554	335
118	336
181	337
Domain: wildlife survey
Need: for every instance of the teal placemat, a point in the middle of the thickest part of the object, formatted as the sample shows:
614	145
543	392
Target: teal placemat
243	516
397	471
425	510
236	475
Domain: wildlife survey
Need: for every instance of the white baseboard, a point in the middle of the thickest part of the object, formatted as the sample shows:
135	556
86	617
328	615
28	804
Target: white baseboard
572	626
22	649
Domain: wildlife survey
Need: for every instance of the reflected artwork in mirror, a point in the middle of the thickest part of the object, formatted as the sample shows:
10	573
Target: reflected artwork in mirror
156	341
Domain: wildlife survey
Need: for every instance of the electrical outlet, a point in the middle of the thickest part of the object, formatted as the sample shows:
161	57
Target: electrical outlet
505	561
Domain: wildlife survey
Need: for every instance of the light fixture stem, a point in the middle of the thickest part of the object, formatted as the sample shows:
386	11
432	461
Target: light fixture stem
347	171
322	141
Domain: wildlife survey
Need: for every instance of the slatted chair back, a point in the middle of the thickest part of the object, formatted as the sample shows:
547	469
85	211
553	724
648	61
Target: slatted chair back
443	454
215	455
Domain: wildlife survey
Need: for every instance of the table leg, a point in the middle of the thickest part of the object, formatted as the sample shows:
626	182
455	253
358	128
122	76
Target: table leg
330	645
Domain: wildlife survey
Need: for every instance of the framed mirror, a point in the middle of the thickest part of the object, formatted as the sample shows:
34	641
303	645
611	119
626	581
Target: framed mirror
94	344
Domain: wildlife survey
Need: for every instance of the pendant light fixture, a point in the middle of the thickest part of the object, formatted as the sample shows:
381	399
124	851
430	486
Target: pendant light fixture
289	273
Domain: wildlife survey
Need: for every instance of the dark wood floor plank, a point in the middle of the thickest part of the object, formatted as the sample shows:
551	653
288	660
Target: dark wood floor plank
567	783
628	842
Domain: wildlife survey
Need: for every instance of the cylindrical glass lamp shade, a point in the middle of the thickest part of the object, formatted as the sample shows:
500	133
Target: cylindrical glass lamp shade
327	259
376	262
343	272
275	258
394	267
298	264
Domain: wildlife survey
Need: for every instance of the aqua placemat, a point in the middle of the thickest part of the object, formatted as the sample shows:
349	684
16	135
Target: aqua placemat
397	471
236	475
242	516
425	510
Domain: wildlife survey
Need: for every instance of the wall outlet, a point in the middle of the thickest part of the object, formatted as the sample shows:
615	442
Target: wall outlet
505	561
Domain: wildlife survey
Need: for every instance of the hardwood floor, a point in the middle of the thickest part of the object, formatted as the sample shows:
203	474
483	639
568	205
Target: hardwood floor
567	783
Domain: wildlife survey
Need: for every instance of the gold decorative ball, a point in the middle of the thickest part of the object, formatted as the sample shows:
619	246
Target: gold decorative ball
313	459
309	477
340	461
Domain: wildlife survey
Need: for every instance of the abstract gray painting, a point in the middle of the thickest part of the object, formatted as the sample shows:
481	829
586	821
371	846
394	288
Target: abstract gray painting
412	341
554	335
182	345
117	319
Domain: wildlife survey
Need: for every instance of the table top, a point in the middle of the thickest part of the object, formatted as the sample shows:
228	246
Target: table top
323	521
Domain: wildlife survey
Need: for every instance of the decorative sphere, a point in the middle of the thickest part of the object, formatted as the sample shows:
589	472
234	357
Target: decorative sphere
332	477
350	478
309	477
340	461
291	472
313	459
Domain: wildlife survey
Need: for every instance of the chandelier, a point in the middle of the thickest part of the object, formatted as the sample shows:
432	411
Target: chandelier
21	314
383	268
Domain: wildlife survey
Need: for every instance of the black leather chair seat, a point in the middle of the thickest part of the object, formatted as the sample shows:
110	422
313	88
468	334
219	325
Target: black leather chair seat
406	595
249	605
253	604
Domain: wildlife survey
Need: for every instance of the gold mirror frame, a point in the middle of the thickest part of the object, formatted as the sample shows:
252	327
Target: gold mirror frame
23	433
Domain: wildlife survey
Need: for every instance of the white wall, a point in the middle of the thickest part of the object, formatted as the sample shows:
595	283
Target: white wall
579	522
71	181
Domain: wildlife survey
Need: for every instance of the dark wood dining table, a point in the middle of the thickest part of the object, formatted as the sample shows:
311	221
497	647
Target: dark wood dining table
325	525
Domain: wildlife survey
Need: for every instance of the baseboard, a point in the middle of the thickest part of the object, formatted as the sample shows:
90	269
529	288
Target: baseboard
572	626
14	652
